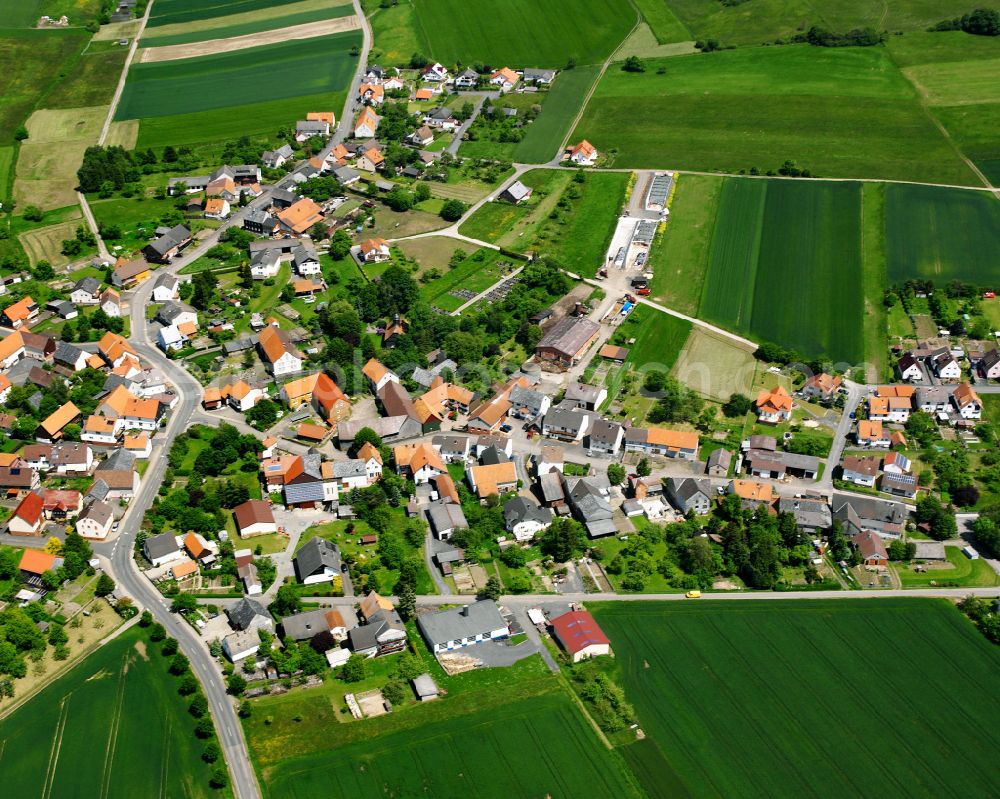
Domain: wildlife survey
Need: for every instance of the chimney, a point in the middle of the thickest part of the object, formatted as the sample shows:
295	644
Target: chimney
465	611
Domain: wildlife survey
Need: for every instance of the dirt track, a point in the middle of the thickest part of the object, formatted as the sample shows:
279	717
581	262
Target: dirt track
215	46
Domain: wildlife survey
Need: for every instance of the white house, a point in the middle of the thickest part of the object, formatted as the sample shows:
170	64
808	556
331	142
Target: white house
306	261
166	288
967	402
909	368
525	519
505	79
265	264
111	303
170	339
455	628
162	548
96	520
435	73
241	645
278	352
584	153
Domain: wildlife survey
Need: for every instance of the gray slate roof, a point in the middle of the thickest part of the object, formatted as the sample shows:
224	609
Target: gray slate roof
457	623
159	545
520	510
242	614
316	555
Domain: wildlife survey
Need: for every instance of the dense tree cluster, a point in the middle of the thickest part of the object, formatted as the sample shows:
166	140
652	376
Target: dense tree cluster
981	22
112	165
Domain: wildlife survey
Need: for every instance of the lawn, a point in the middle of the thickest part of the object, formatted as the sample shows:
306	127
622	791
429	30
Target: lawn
6	169
489	719
780	247
838	112
773	698
241	78
92	81
563	101
476	273
654	340
579	236
941	235
514	226
113	726
679	259
714	366
535	33
267	19
963	572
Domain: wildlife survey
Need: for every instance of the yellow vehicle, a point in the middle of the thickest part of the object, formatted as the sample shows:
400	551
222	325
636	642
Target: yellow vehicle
693	594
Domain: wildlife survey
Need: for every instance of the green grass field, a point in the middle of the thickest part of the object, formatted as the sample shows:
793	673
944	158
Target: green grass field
92	81
680	257
580	237
514	225
535	33
241	78
218	125
172	12
962	571
523	747
776	699
785	265
226	30
662	21
6	170
545	135
942	234
758	21
740	109
31	63
659	339
113	726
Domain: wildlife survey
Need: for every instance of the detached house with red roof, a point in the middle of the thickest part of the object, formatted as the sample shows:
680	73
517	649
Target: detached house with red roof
28	516
20	313
583	154
774	406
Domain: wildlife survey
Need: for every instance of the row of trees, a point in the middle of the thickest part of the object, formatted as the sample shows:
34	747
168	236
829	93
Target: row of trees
188	687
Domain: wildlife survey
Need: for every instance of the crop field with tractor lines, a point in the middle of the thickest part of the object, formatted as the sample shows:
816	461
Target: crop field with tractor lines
788	699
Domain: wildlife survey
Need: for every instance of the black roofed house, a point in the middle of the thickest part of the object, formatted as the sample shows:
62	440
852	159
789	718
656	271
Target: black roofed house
858	513
525	519
550	487
69	357
605	437
317	562
540	77
86	291
909	368
989	365
383	634
588	500
283	198
527	403
515	193
451	448
584	396
260	222
493	455
66	310
812	514
566	423
249	614
162	548
163	248
690	494
719	462
900	485
323	622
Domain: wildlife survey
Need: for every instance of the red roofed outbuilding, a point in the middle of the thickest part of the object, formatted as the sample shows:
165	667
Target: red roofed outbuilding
580	635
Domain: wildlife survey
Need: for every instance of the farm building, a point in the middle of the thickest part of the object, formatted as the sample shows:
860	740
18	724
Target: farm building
580	635
568	340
